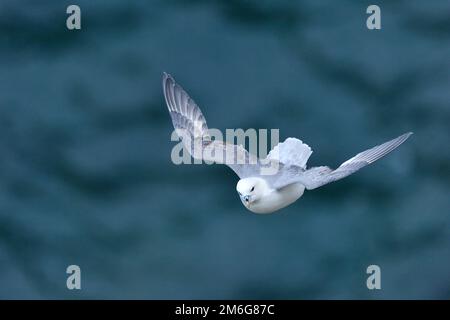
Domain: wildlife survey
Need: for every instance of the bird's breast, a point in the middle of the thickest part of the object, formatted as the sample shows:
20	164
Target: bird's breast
277	199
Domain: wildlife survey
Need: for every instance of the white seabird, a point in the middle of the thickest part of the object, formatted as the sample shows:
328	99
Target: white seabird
261	193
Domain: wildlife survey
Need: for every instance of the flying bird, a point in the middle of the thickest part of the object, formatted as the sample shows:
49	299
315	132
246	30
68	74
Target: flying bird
259	192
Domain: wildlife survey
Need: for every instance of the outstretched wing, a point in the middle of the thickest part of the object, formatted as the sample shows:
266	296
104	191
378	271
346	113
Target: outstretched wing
191	127
319	176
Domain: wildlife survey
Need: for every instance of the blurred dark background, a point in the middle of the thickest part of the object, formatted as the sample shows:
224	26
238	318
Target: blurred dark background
85	170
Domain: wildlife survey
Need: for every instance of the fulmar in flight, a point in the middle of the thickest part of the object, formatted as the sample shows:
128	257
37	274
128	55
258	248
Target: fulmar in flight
260	192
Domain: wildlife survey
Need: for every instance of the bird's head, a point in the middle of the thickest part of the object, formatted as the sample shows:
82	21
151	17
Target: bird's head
251	190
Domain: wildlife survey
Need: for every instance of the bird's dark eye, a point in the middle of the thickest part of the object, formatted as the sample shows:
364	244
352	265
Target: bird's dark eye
252	189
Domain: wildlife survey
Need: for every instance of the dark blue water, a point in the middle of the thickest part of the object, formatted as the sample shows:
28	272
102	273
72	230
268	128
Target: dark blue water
85	170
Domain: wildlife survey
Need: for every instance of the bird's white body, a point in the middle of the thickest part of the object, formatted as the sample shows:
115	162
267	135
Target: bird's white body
264	199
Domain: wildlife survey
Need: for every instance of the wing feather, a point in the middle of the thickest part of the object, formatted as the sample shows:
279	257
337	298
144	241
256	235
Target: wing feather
319	176
190	125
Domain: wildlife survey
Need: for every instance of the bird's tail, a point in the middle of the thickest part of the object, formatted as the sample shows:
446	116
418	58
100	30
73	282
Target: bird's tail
291	152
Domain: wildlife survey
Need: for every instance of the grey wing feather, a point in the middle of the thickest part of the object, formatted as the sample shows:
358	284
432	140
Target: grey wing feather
319	176
187	118
191	127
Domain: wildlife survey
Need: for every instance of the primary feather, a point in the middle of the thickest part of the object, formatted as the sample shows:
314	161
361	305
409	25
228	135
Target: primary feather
191	127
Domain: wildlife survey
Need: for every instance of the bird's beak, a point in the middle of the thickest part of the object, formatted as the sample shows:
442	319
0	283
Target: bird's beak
245	199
